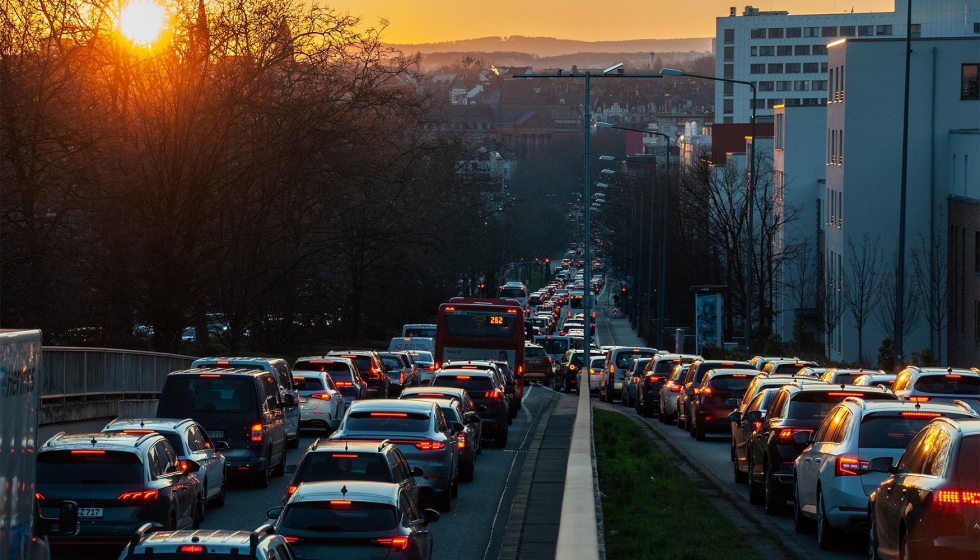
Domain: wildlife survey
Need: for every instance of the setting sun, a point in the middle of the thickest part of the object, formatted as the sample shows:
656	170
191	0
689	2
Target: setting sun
142	21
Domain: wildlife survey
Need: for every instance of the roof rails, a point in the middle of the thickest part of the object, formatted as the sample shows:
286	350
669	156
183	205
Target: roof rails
383	443
138	536
253	539
315	444
963	404
55	437
857	401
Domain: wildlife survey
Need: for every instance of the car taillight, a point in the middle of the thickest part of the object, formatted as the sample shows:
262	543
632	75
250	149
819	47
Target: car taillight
705	391
257	432
850	466
785	435
675	388
401	378
654	379
191	549
344	383
321	396
292	539
495	394
571	367
291	490
953	501
461	441
138	496
430	445
400	543
38	496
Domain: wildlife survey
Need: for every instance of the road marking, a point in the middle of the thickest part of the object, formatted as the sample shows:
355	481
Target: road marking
524	404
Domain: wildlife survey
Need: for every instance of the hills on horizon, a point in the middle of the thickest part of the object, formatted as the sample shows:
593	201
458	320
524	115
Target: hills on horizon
550	47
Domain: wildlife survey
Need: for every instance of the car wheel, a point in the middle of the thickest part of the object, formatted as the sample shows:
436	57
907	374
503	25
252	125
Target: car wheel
262	478
691	420
774	502
801	523
904	552
872	535
173	521
826	535
699	432
661	416
444	502
293	443
199	510
466	474
501	439
220	499
756	494
740	477
280	468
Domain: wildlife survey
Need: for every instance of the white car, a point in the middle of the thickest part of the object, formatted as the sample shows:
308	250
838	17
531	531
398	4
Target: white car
320	401
595	372
832	481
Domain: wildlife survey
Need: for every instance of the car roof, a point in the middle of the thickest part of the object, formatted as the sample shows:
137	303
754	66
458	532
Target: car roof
969	427
796	387
942	371
241	359
152	424
414	405
428	389
888	406
351	445
337	359
354	490
111	441
221	371
732	371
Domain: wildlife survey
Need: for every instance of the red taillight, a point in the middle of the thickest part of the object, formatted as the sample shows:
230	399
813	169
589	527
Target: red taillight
571	367
340	504
257	432
400	543
785	435
850	466
706	391
919	414
675	388
430	445
401	378
291	539
292	489
461	441
654	379
321	396
954	501
495	394
919	399
138	496
344	383
88	452
191	549
38	496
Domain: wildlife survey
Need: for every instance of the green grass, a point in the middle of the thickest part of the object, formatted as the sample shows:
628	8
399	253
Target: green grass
651	509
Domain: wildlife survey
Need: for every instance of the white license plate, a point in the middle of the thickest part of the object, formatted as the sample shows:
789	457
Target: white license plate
302	399
216	434
89	512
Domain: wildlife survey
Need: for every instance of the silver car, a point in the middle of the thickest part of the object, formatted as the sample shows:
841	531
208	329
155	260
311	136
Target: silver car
320	401
669	393
422	434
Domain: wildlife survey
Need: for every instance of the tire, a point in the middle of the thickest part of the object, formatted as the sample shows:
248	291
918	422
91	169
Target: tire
466	474
443	502
661	416
646	410
500	440
691	420
454	489
827	537
773	502
740	477
904	551
262	478
872	536
756	494
699	432
200	508
293	443
801	523
280	468
220	499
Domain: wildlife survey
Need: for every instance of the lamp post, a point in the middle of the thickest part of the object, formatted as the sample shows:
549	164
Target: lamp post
662	273
749	193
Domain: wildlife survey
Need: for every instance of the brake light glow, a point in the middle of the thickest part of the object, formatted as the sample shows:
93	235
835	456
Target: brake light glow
918	414
400	543
137	431
850	466
321	362
88	452
291	539
571	367
210	375
953	375
462	377
654	378
38	496
341	504
954	500
739	375
257	432
344	383
706	391
461	441
430	445
785	435
344	455
430	395
844	394
292	489
191	548
728	364
138	496
223	363
675	388
321	396
450	308
919	399
389	415
612	369
495	394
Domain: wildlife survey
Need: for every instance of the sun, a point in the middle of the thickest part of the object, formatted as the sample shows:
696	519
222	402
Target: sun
142	21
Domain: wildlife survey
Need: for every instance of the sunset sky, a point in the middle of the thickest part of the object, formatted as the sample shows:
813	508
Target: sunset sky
424	21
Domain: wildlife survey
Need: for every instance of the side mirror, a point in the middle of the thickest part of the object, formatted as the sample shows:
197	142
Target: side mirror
189	466
471	418
219	445
802	438
882	465
457	427
753	416
731	402
417	471
735	417
290	469
430	516
334	424
480	408
275	512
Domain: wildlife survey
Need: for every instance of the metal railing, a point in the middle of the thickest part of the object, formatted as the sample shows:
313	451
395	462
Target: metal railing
71	374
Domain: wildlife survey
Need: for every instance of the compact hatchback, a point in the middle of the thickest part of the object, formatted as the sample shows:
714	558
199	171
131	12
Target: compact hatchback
714	400
341	370
370	368
120	482
320	400
260	544
618	361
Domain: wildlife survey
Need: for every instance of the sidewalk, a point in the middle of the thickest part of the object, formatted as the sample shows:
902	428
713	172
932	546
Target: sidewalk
613	330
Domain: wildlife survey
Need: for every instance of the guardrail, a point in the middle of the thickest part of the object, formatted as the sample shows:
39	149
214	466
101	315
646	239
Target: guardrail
76	374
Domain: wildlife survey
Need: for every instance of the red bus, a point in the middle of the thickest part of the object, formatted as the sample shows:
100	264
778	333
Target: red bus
481	329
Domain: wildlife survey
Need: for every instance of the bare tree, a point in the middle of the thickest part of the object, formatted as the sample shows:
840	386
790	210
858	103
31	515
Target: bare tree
832	309
930	262
863	280
801	279
884	315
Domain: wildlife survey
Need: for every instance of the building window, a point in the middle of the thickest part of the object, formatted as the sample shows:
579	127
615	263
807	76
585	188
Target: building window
792	67
792	102
819	50
729	54
823	67
767	86
801	85
773	102
866	31
802	50
976	27
814	101
729	89
883	30
757	33
784	86
729	71
757	69
847	31
793	32
811	31
968	81
767	50
729	36
729	106
784	50
775	68
811	67
753	51
819	85
775	32
828	31
916	29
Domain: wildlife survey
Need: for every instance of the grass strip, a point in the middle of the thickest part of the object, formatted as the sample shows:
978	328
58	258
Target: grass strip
650	509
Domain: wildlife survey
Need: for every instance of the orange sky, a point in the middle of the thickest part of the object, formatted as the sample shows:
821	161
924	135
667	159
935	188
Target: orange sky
423	21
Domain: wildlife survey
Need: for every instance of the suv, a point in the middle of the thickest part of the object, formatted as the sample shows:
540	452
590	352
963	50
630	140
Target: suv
715	399
836	376
632	380
938	385
372	371
537	363
260	544
786	367
655	374
280	371
401	370
485	389
120	482
832	480
569	368
794	413
189	441
618	360
241	407
692	381
341	370
353	460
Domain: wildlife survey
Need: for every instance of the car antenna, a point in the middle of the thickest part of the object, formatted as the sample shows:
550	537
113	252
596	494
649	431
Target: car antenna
343	491
93	442
841	386
142	424
918	405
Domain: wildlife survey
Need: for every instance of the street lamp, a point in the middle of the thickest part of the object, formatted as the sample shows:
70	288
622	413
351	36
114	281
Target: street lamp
750	192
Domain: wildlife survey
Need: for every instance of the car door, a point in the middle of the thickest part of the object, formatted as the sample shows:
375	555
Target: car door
744	429
203	451
274	417
183	486
813	457
892	497
284	377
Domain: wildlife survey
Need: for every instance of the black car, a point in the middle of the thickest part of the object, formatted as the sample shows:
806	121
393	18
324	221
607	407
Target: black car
371	370
569	368
795	412
655	374
120	482
485	389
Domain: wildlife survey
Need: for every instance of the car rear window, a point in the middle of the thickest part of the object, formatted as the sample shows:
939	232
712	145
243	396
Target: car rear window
814	405
329	366
554	346
362	363
737	382
188	394
788	368
339	516
847	378
895	430
473	385
344	466
948	384
664	366
308	383
966	460
387	421
89	466
533	352
624	359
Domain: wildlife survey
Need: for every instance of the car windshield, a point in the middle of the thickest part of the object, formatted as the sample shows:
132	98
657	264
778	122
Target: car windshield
894	430
387	421
308	383
344	466
89	466
339	516
948	384
188	394
473	385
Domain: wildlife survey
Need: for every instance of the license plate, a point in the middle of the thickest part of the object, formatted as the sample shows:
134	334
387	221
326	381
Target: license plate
302	399
217	434
90	512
